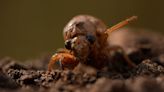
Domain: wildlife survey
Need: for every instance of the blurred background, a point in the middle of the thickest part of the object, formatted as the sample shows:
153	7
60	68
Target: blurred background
30	28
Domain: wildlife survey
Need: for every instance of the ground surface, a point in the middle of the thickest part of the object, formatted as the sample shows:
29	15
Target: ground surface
144	48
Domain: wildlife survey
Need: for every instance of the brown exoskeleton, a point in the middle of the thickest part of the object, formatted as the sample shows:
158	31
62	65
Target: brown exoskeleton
86	42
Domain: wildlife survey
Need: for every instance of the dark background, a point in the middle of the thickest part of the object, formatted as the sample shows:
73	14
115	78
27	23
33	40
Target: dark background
29	28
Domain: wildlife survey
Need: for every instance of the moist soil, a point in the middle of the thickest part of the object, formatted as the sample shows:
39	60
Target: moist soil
146	49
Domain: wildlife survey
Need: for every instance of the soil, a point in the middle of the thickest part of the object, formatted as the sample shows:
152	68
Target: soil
146	49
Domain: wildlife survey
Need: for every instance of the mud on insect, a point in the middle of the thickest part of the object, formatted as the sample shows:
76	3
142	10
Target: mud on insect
86	42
